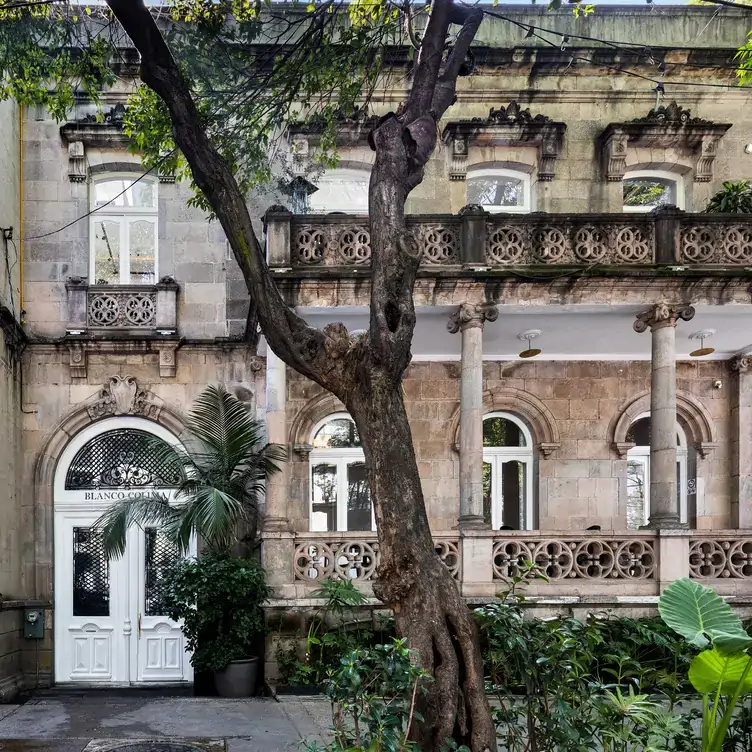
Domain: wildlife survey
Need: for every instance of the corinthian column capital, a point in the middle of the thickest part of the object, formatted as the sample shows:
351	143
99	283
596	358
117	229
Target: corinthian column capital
472	315
662	315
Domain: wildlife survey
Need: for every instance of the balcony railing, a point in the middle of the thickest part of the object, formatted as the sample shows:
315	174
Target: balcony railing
476	238
136	309
588	564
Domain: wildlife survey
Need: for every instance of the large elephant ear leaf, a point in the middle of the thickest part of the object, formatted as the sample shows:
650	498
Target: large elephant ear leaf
702	617
712	668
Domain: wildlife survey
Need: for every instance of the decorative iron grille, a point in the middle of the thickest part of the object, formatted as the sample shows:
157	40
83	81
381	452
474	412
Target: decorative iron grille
124	458
91	573
161	554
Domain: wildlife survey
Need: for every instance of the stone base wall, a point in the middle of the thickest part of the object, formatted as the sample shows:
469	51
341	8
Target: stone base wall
11	645
580	483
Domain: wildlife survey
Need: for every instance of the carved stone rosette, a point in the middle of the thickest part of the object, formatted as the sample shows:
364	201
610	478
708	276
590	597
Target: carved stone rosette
662	314
472	315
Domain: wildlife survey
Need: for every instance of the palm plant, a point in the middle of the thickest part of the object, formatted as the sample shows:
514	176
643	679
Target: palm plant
222	479
734	198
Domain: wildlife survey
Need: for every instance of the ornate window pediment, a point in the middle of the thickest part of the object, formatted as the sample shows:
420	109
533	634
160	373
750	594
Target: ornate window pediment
506	126
666	127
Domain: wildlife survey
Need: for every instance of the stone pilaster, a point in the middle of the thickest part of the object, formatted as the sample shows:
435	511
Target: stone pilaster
741	442
661	319
278	543
470	320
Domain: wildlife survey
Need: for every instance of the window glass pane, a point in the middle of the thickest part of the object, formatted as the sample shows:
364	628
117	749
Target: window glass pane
358	498
500	190
107	251
513	494
346	193
649	192
501	432
636	494
142	240
160	555
340	433
91	573
324	492
125	194
487	492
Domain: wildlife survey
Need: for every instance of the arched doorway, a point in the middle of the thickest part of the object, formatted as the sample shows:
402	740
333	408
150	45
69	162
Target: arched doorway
110	625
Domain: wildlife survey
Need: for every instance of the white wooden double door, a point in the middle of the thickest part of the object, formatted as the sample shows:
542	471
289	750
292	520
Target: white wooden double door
109	622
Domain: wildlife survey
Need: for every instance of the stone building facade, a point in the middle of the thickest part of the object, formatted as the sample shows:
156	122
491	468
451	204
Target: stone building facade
561	213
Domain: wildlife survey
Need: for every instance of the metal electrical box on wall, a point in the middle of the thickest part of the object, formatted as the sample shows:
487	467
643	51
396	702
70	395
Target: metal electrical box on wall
34	623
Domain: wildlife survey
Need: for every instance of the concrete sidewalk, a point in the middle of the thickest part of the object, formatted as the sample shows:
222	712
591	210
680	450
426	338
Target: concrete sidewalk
71	722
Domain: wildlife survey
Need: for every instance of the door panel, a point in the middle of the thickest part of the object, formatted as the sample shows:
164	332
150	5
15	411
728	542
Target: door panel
160	651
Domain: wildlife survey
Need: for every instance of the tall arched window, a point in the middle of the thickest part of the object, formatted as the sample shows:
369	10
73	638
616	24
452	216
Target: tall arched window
123	231
343	190
340	496
646	190
638	473
507	473
498	190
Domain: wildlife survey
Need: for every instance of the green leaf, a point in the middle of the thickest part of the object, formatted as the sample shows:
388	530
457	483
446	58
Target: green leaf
701	616
712	668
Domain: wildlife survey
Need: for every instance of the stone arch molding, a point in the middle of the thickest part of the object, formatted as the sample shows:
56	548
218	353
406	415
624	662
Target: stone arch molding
120	396
689	410
528	407
315	410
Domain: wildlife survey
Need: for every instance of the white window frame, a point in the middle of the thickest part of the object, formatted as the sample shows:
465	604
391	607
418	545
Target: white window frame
340	458
342	175
641	454
496	457
491	172
125	216
674	177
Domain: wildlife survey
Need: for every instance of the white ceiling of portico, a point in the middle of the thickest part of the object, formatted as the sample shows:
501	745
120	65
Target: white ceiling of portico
568	332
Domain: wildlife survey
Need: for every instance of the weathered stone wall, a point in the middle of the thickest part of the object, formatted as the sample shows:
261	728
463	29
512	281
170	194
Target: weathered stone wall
583	482
11	637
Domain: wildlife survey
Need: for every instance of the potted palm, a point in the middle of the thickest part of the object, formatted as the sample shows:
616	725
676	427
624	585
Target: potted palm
223	471
734	198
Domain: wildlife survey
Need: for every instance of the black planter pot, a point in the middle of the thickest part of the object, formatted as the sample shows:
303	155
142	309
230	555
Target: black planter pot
238	679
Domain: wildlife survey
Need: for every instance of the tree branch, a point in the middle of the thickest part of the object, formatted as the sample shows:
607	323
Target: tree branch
301	346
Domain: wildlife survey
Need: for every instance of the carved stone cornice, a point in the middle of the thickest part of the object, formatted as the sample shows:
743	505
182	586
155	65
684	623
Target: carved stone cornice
742	363
506	126
122	396
472	315
662	315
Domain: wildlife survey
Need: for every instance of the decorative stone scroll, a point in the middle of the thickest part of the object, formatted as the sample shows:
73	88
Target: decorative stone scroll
122	396
577	558
662	314
472	315
727	558
355	559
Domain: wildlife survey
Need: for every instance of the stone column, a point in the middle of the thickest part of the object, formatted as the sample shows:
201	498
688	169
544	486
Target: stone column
278	540
661	320
469	320
741	442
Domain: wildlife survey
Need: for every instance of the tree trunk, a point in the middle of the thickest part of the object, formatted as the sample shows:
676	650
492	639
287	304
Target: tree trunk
413	581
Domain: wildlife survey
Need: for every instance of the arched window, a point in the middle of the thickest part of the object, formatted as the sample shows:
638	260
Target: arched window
507	473
123	231
498	190
340	496
646	190
343	190
638	473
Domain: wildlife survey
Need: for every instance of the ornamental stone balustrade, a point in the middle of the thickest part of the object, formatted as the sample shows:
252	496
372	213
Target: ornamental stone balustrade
475	238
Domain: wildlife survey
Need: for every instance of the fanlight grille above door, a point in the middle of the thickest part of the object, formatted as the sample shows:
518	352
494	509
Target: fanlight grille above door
124	458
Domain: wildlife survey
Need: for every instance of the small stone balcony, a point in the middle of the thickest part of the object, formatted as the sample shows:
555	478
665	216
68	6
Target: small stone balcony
481	241
125	310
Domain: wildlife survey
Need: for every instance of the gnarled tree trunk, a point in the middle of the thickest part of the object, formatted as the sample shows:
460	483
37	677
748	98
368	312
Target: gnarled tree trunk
365	372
